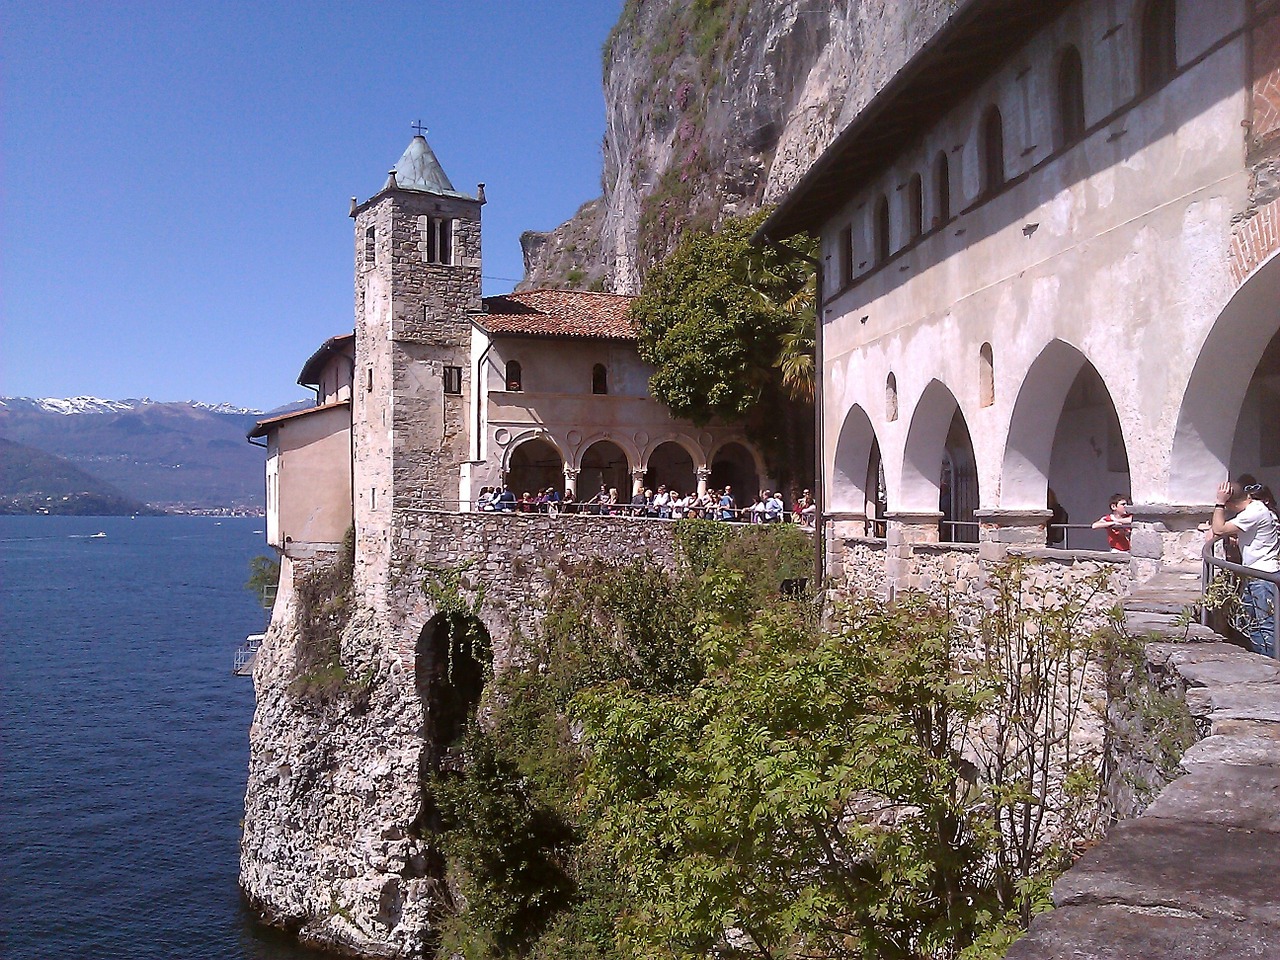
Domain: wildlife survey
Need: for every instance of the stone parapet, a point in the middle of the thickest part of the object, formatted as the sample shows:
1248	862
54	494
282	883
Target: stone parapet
1166	535
1194	875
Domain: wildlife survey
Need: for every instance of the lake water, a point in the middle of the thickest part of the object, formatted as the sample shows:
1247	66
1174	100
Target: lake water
124	738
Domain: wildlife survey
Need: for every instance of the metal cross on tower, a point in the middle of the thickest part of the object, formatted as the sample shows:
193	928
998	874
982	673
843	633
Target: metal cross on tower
418	127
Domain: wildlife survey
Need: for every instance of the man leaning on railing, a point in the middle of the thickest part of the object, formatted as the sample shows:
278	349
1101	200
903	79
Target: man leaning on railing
1258	534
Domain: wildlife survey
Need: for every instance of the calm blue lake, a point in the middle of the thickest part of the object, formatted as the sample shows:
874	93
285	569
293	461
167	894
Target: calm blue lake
124	738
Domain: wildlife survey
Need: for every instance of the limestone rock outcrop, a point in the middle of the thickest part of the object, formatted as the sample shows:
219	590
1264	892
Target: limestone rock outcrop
714	113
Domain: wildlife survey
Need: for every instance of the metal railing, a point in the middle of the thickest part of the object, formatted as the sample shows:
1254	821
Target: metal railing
953	526
631	511
1066	529
1211	562
242	665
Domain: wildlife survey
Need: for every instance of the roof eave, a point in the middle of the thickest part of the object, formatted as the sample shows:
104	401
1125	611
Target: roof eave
791	217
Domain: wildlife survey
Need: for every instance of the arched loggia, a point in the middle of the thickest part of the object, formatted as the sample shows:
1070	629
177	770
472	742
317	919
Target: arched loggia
1065	435
939	470
1235	374
851	480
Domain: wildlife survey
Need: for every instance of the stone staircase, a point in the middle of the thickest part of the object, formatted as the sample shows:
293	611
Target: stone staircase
1197	875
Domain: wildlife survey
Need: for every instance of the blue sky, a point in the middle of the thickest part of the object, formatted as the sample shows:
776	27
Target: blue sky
176	176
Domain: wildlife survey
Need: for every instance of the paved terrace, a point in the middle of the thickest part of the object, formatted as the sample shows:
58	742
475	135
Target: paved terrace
1196	875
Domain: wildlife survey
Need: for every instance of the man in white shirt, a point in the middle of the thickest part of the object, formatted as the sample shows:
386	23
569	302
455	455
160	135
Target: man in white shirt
1256	530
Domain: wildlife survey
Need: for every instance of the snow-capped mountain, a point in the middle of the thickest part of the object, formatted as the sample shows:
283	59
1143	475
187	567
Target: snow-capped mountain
74	405
186	454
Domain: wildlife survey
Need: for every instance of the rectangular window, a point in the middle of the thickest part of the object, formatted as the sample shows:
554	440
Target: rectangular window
846	256
453	380
439	241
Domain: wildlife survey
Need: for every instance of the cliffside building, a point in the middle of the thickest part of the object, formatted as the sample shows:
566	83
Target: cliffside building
440	392
1050	263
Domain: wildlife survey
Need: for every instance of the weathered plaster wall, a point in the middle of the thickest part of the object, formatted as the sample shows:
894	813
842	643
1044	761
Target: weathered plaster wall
310	467
556	404
1118	247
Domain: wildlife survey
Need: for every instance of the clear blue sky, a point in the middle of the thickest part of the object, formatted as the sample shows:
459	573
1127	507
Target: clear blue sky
176	175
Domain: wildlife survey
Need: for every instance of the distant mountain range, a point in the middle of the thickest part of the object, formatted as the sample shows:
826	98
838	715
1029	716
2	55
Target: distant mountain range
173	456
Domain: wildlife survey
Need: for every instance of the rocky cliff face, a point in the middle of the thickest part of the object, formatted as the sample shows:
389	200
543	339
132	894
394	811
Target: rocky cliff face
714	108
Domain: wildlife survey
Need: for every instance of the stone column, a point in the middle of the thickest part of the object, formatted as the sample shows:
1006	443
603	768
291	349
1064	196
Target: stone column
571	481
637	481
1167	535
905	529
704	474
1001	529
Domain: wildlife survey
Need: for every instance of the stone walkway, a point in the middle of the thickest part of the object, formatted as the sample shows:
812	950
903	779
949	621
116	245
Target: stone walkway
1197	876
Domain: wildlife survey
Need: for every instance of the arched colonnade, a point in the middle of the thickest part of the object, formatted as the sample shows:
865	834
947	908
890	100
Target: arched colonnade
536	460
930	453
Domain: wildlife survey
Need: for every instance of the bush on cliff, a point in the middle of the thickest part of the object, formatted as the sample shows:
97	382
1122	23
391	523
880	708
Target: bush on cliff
693	766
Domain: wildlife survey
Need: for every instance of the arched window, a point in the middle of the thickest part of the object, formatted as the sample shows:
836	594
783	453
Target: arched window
992	149
1070	97
891	397
599	379
942	185
986	376
1159	58
369	237
515	380
880	229
915	207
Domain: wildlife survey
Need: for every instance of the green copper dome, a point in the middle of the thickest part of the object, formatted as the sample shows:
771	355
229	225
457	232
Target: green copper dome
418	169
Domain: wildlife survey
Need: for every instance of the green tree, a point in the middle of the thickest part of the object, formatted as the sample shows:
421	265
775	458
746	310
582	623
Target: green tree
264	578
726	327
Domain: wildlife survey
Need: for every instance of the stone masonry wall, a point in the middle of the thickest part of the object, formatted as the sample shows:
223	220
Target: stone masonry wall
331	848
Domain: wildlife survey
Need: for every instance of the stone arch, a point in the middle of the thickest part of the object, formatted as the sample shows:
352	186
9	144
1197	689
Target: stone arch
1232	362
605	460
674	461
851	481
937	424
738	463
1064	434
452	661
533	462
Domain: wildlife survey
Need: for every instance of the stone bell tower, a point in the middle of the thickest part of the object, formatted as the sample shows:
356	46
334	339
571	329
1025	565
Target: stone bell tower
417	286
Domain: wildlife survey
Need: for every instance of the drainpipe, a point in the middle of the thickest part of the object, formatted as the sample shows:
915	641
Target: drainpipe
819	486
480	401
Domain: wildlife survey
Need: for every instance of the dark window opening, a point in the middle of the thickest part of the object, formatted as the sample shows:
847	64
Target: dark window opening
451	662
846	256
370	238
599	379
915	207
439	241
1159	44
515	381
453	380
942	183
1070	98
880	229
992	151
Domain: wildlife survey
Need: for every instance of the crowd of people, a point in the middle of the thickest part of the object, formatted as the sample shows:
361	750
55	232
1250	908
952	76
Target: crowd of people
662	504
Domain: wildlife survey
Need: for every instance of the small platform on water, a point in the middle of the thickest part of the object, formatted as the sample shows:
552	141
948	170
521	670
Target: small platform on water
242	666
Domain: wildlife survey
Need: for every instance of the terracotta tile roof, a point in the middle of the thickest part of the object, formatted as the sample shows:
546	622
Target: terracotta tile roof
559	313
